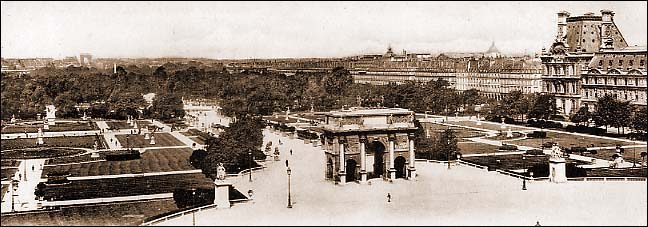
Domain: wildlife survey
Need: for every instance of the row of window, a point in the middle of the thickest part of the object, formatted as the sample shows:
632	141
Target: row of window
635	96
620	61
604	80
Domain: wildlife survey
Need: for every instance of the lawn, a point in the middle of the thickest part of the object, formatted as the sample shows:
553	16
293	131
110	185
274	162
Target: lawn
9	163
461	132
125	213
488	125
30	153
514	161
504	137
138	141
126	186
624	172
569	140
477	148
73	159
116	125
628	156
281	119
59	127
155	160
196	135
7	173
62	141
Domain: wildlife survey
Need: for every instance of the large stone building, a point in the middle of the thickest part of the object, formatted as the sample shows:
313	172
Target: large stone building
590	57
369	143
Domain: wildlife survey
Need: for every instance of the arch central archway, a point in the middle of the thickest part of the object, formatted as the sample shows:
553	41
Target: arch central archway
351	170
378	151
399	165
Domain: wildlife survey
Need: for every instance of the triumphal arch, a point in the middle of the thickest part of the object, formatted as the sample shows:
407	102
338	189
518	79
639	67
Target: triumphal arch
369	143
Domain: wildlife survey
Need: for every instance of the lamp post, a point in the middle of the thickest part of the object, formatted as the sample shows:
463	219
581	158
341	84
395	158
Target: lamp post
524	176
250	154
289	202
193	203
25	165
14	184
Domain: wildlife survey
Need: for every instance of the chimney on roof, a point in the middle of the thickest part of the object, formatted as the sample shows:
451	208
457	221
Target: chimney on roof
562	25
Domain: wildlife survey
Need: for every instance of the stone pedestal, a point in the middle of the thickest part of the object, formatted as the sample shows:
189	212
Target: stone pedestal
94	155
363	177
221	194
40	141
342	177
392	174
152	140
46	126
509	134
147	136
557	170
412	173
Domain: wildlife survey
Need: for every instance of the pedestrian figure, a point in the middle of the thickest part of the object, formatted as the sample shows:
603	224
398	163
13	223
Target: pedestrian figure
111	140
537	223
388	198
280	142
290	151
32	167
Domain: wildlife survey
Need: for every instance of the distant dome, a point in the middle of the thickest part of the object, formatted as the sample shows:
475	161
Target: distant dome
492	49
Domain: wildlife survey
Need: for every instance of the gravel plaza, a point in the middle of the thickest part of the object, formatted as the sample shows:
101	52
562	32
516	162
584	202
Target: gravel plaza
461	195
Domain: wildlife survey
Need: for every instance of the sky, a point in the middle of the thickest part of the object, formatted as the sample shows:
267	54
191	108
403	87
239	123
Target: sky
225	30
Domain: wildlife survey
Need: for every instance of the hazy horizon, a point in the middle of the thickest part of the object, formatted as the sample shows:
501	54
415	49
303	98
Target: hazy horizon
261	30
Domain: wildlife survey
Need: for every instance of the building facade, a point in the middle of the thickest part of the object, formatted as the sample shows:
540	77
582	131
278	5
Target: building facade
588	58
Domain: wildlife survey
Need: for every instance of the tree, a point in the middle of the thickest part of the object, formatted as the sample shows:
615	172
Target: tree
445	146
337	81
612	112
166	106
40	190
232	146
470	98
581	116
543	106
122	104
423	142
197	158
640	120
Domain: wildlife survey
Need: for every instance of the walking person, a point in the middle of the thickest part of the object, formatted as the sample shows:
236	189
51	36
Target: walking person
290	151
388	198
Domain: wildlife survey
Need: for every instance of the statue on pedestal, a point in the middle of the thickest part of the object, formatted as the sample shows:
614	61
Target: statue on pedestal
220	172
40	136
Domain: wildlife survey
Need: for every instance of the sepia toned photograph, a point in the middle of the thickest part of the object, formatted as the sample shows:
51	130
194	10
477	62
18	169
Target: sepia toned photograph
222	113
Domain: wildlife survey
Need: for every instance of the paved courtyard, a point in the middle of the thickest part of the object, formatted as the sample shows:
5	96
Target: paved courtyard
459	196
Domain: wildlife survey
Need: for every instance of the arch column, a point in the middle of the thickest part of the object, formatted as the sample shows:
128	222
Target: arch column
392	170
412	158
363	159
342	172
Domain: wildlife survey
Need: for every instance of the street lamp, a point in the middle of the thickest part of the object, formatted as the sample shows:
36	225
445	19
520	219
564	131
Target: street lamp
525	171
193	203
289	203
25	165
14	184
250	154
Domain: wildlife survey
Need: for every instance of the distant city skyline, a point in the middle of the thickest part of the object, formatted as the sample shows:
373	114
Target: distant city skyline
229	30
